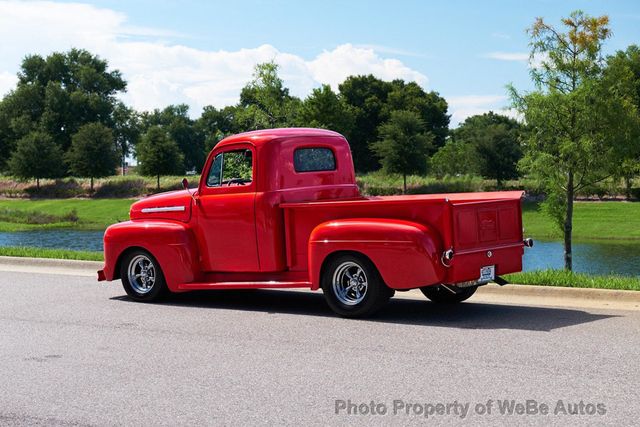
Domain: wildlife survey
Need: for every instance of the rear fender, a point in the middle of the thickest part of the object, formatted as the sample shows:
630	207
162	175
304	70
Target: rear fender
405	253
171	243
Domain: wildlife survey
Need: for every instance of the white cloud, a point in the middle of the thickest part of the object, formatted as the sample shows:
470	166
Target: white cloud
160	72
7	82
470	105
508	56
334	66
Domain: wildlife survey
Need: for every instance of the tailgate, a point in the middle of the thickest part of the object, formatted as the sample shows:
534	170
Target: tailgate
485	233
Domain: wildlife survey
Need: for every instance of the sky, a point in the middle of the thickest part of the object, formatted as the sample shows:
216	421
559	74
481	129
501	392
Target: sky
202	52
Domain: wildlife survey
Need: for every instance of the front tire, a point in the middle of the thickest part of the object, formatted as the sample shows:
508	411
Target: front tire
440	294
142	277
353	287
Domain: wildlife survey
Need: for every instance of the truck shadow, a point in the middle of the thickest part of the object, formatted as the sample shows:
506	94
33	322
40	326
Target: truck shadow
467	315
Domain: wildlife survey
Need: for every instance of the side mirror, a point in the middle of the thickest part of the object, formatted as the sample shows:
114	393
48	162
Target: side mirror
185	183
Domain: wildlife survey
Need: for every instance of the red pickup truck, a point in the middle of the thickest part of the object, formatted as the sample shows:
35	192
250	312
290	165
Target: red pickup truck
280	208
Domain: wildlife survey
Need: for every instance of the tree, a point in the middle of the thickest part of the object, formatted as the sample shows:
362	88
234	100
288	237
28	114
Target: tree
92	153
126	131
158	154
181	129
216	124
578	124
265	101
456	157
494	142
323	108
430	106
404	144
60	93
623	73
367	97
371	101
36	156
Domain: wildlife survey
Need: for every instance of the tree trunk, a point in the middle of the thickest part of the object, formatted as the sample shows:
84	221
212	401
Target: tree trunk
158	182
91	184
38	184
568	225
627	186
404	178
124	164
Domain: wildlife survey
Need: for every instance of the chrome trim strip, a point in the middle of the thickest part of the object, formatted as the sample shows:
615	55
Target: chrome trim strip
490	248
164	209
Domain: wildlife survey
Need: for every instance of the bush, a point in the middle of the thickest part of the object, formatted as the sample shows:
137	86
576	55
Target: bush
36	217
117	188
58	189
379	184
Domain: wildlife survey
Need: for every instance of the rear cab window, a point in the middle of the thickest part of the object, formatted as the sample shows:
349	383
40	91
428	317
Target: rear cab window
314	159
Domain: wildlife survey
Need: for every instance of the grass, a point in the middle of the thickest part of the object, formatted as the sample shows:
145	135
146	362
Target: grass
79	214
592	221
574	280
21	251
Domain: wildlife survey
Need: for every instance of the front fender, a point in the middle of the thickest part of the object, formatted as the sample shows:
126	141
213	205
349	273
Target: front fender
405	253
171	243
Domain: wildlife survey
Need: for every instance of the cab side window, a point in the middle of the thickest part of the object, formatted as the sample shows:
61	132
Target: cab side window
231	168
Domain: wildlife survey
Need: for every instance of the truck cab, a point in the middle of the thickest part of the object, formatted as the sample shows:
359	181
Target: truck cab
280	208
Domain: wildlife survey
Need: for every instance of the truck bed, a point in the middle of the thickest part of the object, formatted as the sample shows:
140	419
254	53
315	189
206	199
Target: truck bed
481	228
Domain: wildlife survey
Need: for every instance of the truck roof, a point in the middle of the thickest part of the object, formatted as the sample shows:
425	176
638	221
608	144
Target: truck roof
263	136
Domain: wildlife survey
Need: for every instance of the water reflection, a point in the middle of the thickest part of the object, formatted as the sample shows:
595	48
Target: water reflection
592	257
56	239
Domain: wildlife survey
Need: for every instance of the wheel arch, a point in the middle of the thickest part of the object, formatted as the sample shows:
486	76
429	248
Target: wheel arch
172	244
405	253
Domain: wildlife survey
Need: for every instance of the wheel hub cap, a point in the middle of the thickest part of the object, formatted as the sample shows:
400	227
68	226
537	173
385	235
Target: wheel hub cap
350	283
141	274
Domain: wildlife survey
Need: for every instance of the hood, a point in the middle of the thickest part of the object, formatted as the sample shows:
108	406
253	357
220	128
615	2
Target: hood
175	205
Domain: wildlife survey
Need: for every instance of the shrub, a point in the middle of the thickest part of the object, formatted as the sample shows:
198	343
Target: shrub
115	188
58	189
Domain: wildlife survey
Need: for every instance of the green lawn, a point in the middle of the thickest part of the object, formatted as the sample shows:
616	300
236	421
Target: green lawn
574	280
92	214
20	251
592	221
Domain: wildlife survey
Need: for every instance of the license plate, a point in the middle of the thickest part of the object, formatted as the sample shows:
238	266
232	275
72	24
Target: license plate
487	274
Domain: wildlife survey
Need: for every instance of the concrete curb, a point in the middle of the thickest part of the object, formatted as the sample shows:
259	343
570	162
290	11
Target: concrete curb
508	292
592	294
561	292
71	264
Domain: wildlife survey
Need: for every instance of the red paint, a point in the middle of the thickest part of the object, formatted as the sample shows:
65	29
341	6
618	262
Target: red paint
278	230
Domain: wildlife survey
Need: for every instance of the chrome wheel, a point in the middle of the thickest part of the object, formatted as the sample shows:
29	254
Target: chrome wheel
349	283
141	274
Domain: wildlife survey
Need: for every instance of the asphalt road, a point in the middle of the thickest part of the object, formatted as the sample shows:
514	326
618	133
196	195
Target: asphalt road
75	352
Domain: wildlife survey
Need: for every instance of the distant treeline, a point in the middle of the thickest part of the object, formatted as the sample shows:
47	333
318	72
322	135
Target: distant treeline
64	118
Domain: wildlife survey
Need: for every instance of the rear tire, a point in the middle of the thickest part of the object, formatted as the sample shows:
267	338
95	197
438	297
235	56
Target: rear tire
142	277
353	287
439	294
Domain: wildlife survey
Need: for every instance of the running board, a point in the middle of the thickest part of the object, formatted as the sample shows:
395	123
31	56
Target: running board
242	285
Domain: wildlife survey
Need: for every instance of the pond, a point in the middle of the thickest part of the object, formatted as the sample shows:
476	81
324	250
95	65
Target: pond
54	239
592	257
